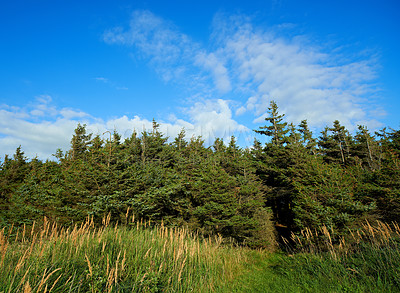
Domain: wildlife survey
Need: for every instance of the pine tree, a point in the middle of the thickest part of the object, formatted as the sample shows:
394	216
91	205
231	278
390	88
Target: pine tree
327	195
180	141
344	141
294	137
336	144
153	143
307	139
366	148
394	142
133	148
277	129
79	142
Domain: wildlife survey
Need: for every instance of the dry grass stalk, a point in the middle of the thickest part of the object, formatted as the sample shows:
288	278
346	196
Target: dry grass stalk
23	278
3	246
377	235
44	279
110	279
89	265
164	243
23	234
181	270
27	288
55	282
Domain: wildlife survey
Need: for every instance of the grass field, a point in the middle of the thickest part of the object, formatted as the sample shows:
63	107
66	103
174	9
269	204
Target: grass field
139	257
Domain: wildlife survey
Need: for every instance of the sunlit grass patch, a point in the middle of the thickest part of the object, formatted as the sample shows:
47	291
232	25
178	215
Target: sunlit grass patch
129	258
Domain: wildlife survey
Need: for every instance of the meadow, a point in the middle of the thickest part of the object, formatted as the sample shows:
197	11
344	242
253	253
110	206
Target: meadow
133	257
137	256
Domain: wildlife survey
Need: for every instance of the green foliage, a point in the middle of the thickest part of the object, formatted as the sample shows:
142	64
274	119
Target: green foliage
277	129
366	149
254	196
336	144
79	142
223	189
326	195
180	183
307	139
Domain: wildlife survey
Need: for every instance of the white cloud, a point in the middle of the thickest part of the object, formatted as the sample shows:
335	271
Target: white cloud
245	68
240	111
70	113
217	68
20	126
253	65
44	99
213	118
306	82
37	138
157	40
172	54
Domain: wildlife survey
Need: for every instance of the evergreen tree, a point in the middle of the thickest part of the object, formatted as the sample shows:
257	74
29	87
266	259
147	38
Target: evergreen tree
180	141
294	137
327	194
18	167
153	143
393	144
133	148
277	129
344	141
336	144
79	142
366	148
307	139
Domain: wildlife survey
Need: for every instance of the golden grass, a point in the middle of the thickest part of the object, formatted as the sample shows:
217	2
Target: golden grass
379	234
102	259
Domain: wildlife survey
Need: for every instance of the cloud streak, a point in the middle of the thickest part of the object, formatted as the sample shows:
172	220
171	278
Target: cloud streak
253	65
110	83
171	53
228	81
300	78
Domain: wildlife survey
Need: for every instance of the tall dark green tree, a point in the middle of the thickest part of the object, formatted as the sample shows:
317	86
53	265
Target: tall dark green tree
343	139
307	138
12	174
277	129
79	142
336	144
366	148
272	163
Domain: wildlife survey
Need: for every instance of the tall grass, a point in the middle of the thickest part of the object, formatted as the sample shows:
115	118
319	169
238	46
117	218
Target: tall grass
121	258
376	236
364	260
140	257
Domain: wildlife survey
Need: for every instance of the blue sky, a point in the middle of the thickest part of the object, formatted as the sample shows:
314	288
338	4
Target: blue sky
211	67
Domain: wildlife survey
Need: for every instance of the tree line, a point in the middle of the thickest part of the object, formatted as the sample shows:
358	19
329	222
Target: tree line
254	195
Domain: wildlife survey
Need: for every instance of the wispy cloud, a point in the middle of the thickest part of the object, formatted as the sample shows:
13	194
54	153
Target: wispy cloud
110	83
171	53
157	40
230	79
102	79
253	65
217	69
306	82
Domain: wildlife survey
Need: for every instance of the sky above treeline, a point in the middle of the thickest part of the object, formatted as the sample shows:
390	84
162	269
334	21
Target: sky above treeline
210	67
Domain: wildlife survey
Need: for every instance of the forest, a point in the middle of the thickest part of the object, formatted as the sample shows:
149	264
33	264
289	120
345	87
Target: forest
262	197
